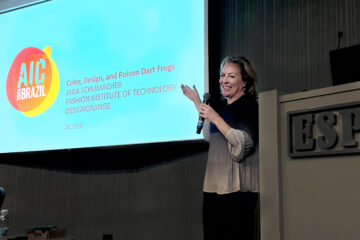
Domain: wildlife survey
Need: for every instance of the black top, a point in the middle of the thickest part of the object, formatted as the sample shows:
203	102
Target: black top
242	114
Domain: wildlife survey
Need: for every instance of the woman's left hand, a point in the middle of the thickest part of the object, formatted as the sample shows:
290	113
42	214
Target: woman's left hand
208	113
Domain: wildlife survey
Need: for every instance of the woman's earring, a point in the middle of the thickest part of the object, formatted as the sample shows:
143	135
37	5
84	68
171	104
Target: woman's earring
244	89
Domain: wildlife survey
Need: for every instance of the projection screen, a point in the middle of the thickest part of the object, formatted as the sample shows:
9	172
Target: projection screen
76	74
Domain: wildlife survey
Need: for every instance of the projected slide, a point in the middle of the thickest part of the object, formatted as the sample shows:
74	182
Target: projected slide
77	74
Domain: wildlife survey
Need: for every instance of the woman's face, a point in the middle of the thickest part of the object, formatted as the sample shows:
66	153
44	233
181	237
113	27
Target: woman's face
231	82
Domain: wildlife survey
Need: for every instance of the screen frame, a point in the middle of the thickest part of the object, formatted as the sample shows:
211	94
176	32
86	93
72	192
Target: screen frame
133	149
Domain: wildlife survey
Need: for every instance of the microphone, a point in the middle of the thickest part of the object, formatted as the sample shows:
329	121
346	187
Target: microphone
340	35
200	123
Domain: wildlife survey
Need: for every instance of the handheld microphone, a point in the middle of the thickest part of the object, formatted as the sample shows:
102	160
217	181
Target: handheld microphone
200	123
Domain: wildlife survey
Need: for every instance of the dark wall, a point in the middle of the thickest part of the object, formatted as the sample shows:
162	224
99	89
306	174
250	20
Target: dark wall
147	192
156	192
288	41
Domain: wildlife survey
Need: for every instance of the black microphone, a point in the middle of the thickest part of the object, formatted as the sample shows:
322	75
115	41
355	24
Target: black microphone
340	35
200	123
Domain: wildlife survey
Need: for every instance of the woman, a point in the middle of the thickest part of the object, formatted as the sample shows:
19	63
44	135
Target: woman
231	183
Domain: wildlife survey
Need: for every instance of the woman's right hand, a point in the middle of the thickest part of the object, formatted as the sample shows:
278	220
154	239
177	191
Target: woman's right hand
192	94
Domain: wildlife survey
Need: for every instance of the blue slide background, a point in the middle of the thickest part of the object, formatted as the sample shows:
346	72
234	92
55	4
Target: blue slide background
100	38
